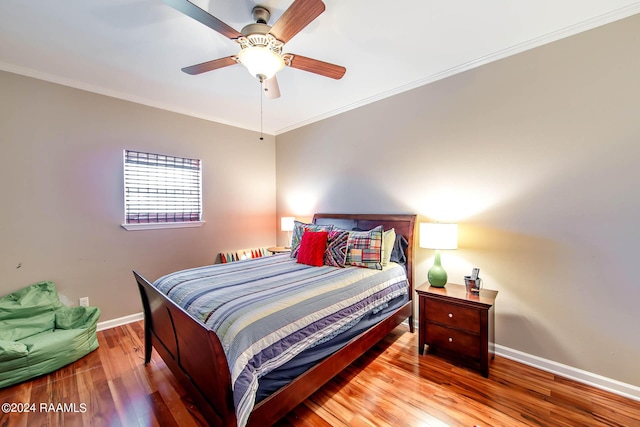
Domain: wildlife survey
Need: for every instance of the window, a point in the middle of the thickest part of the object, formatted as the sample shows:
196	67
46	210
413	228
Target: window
161	191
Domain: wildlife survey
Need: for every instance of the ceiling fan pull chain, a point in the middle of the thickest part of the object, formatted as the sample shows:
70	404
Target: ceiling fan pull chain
261	90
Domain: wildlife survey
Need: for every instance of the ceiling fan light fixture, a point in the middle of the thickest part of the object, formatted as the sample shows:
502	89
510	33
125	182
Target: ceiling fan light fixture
261	61
260	51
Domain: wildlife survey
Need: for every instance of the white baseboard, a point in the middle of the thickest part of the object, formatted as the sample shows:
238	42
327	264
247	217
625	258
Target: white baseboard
598	381
585	377
594	380
108	324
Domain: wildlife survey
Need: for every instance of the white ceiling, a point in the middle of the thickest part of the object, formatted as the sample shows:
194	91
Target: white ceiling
134	49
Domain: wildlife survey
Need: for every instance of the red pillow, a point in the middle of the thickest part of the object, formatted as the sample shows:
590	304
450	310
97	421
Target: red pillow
312	246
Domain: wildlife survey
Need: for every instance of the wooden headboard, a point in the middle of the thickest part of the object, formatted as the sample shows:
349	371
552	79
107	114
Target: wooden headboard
403	224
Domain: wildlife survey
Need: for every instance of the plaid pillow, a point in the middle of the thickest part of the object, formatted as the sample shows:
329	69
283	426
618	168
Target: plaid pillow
299	229
364	248
336	252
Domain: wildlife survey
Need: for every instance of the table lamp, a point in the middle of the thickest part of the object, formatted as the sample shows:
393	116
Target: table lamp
438	236
286	224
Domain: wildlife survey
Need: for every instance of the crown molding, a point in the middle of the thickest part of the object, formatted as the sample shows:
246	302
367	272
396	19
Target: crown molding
580	27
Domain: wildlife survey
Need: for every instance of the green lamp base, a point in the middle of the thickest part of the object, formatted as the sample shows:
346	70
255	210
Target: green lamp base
437	276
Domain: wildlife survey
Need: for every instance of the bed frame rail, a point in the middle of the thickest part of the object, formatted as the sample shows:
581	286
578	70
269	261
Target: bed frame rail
287	398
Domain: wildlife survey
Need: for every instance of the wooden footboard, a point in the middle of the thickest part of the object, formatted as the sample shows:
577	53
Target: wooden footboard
192	353
195	355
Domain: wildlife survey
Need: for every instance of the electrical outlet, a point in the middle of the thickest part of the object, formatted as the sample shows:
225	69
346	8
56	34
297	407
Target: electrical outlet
84	302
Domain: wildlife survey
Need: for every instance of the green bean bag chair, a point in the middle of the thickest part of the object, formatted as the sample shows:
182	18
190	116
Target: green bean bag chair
38	334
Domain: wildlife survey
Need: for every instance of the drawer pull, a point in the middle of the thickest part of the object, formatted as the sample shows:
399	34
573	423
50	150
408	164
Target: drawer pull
450	315
450	339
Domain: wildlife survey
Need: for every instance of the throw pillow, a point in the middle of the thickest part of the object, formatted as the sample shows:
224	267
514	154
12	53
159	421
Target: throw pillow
336	252
298	230
364	248
388	240
312	246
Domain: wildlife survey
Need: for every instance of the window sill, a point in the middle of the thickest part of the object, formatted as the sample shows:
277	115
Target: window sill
160	225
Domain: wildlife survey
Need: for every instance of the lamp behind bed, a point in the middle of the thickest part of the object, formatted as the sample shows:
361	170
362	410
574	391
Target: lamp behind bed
286	224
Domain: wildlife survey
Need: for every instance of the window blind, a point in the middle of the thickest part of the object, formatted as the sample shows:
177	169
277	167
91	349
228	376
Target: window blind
159	188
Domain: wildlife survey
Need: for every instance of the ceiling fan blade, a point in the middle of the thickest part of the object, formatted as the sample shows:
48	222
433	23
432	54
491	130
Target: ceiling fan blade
271	88
204	17
315	66
294	19
210	65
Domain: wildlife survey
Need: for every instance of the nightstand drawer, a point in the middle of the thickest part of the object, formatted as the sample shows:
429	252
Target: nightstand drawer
453	340
453	315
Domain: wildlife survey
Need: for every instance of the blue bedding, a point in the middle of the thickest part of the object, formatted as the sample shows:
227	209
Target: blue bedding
267	310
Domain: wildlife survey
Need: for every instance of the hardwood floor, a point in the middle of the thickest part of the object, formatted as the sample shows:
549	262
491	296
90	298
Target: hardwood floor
389	386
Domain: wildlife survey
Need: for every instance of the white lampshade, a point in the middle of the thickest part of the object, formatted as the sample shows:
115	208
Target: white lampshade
261	61
438	236
286	223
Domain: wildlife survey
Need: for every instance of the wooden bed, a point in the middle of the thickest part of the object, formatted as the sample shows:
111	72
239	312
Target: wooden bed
195	356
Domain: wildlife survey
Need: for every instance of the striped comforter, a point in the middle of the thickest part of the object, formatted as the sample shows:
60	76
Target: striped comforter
267	310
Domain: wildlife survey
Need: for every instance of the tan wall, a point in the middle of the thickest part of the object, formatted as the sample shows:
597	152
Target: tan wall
536	156
61	192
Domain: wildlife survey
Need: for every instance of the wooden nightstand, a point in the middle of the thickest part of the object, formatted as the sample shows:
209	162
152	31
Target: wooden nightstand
278	249
457	324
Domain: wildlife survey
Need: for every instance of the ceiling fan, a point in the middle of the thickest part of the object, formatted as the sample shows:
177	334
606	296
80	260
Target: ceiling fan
261	45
